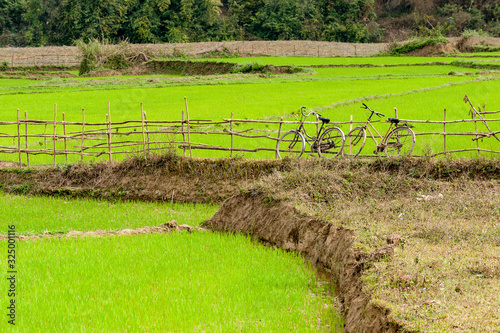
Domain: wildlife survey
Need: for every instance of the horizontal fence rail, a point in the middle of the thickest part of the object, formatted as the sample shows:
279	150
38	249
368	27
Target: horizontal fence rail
58	137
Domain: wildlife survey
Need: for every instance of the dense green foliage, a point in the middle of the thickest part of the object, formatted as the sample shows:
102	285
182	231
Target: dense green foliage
61	22
401	19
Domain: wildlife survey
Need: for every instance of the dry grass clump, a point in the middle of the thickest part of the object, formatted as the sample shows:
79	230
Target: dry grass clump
441	217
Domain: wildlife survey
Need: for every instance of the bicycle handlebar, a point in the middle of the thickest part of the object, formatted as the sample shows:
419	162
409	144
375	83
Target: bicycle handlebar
310	113
377	113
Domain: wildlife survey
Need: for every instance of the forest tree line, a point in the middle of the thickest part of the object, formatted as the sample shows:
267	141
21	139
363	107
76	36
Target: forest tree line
61	22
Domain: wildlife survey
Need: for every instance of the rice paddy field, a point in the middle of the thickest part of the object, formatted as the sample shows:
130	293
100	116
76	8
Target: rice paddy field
176	282
199	281
185	282
419	87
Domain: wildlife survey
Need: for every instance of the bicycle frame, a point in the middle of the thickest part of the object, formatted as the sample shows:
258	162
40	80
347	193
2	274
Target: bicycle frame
382	138
392	125
302	128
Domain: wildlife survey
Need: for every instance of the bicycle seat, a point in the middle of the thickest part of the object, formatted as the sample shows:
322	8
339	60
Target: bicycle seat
393	120
324	120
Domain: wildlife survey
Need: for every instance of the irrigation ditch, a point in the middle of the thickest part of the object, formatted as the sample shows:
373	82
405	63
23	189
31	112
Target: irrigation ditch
342	215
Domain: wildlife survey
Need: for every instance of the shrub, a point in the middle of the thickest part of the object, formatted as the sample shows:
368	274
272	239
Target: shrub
4	66
416	44
98	55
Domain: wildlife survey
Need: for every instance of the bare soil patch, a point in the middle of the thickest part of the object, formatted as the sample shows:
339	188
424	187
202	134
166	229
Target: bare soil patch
5	164
164	178
166	227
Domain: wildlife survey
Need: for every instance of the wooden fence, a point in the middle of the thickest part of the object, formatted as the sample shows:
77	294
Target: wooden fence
21	60
78	140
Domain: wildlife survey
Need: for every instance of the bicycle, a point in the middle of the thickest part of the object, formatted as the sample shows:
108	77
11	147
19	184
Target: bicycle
399	139
328	142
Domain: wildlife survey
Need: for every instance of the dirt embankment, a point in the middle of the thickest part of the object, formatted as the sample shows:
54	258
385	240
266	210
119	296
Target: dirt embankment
401	237
187	67
155	178
322	243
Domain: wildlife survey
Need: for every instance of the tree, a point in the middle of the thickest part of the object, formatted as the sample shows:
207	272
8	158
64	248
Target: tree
90	19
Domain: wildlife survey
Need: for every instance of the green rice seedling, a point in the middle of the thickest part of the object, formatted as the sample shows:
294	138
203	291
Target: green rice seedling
246	97
58	215
430	105
158	283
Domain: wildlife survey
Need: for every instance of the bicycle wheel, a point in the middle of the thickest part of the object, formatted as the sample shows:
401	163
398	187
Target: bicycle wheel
354	142
400	141
331	142
291	145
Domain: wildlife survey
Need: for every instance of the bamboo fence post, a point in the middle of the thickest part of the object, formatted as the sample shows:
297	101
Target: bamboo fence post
183	135
19	138
475	128
188	127
350	129
109	131
444	133
83	133
65	140
317	126
108	134
143	134
147	132
26	131
45	137
231	131
279	135
54	133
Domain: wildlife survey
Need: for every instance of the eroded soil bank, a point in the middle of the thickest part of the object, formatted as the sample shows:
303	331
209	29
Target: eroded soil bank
320	242
167	178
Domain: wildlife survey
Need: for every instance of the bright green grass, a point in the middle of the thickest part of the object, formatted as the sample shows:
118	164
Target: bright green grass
7	82
253	97
267	99
259	100
429	105
165	283
340	73
38	214
148	76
